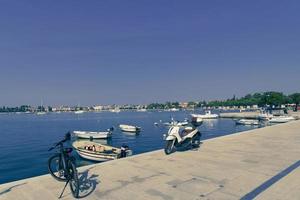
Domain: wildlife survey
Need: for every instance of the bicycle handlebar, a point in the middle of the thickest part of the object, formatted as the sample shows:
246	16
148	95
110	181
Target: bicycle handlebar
67	137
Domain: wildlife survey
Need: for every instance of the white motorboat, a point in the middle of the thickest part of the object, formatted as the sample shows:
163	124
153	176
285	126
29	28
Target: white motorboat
129	128
177	123
141	110
207	115
196	120
93	135
41	113
247	122
281	119
265	116
174	110
99	152
116	110
79	112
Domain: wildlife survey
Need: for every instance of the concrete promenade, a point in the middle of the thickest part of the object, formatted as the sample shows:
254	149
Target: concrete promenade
247	115
261	164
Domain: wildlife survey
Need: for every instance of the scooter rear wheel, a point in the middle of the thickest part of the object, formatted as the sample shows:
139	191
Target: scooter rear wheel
196	140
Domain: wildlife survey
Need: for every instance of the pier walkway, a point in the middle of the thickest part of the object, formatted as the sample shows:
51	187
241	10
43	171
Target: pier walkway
261	164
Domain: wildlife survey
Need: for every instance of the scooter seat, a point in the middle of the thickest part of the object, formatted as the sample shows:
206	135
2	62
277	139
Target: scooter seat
185	132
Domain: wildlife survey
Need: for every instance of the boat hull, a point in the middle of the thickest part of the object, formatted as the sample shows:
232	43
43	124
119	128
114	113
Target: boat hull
247	122
211	116
281	119
94	157
92	135
98	152
130	129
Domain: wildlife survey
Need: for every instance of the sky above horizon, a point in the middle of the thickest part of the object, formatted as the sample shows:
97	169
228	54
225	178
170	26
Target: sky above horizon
142	51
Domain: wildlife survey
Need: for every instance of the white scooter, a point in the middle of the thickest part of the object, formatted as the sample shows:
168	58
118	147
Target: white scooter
181	137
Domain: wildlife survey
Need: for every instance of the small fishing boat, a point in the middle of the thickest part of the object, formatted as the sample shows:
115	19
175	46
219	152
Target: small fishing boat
93	135
99	152
129	128
281	119
207	115
247	122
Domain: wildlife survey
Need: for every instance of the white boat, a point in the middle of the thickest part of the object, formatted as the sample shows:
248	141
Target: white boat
93	135
265	116
207	115
141	110
79	112
196	120
173	110
177	123
116	110
99	152
247	122
41	113
129	128
281	119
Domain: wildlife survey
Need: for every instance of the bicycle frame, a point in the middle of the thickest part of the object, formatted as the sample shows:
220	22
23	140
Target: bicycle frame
64	157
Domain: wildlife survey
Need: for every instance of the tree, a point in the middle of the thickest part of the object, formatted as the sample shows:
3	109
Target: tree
295	99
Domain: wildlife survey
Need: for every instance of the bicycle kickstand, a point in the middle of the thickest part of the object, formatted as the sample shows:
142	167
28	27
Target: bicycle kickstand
63	190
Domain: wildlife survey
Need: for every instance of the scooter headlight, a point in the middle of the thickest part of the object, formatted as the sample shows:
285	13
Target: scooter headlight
164	136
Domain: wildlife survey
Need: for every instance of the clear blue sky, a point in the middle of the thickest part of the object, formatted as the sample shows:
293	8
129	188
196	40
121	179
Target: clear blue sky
102	52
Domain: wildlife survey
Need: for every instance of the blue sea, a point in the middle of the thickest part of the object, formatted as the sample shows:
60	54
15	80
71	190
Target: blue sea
26	138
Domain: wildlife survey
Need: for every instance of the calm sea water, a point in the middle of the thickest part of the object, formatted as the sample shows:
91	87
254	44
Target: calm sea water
26	138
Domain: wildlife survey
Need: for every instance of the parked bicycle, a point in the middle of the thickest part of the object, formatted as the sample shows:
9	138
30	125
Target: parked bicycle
62	166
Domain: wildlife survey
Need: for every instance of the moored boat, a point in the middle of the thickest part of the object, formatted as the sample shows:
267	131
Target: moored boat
196	121
142	110
93	134
116	110
41	113
281	119
207	115
79	112
99	152
265	116
247	122
177	123
129	128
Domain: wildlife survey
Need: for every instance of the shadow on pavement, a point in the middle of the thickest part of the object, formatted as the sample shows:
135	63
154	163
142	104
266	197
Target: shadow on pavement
88	183
10	188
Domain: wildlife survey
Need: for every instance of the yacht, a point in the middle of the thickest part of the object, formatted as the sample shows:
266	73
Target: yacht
207	115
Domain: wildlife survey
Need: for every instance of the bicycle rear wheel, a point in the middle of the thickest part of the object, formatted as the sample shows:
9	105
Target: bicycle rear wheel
74	181
55	167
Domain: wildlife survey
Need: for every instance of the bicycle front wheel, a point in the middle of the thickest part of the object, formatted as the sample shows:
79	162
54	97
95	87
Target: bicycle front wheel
55	167
74	182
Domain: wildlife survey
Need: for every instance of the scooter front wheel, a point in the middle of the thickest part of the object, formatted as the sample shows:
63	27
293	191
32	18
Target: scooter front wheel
169	147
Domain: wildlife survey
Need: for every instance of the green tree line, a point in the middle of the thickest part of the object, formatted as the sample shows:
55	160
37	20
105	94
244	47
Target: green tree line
261	99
